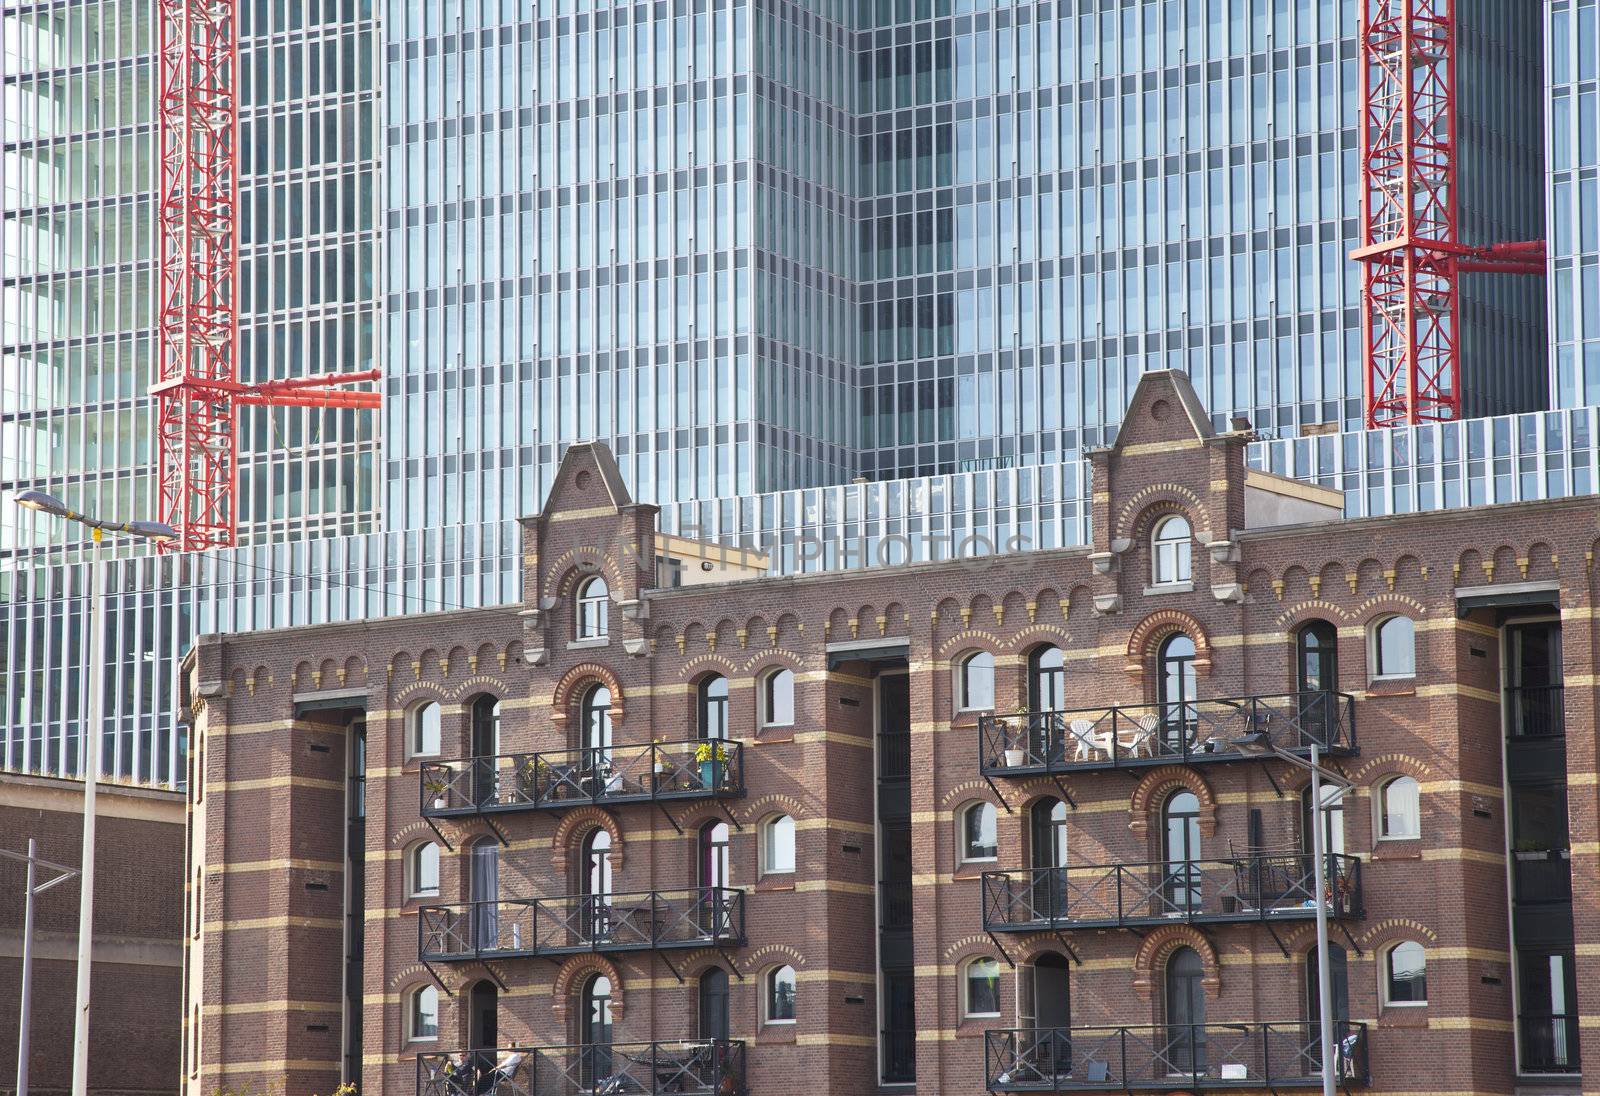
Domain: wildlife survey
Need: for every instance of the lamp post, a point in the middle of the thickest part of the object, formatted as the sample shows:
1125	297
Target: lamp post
93	724
1259	744
32	890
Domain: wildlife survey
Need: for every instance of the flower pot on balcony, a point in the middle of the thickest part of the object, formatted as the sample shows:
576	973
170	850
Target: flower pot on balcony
438	802
708	774
1013	759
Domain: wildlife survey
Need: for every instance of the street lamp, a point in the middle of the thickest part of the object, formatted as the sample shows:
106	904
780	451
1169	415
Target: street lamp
93	721
1260	744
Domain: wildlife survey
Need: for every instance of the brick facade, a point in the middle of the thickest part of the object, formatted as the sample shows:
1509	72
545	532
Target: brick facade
272	714
136	986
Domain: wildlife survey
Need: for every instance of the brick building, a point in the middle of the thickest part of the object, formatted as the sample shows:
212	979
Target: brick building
961	824
137	985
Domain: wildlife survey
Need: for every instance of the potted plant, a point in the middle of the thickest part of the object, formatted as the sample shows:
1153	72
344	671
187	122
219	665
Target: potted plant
533	775
436	782
709	755
664	764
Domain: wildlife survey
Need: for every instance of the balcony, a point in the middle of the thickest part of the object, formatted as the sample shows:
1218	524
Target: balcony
1128	735
649	921
1549	1042
655	772
1257	887
1232	1056
1535	711
712	1067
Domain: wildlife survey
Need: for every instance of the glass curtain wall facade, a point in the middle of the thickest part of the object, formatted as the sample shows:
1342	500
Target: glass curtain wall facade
761	252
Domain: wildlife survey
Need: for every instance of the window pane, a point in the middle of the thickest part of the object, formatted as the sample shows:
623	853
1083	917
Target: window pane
982	839
1408	980
780	699
1401	808
1396	647
780	845
977	682
781	994
983	988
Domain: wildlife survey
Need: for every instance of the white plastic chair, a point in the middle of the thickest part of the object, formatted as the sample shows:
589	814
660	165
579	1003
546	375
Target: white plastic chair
1089	740
1141	740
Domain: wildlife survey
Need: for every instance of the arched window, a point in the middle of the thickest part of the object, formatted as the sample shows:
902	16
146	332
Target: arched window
597	863
714	867
777	845
594	1030
975	682
422	1014
1047	679
1399	809
713	705
1178	690
1045	1001
714	1004
1394	647
1332	816
1180	845
484	891
422	870
1317	658
980	986
1405	975
980	838
780	993
1183	1005
486	726
777	699
483	1023
423	736
594	605
1047	850
595	719
1171	545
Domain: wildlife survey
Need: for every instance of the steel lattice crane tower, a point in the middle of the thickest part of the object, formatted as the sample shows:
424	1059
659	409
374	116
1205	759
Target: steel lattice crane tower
1411	252
197	389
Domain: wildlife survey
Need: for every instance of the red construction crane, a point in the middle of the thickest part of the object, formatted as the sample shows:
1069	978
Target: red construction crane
197	326
1411	255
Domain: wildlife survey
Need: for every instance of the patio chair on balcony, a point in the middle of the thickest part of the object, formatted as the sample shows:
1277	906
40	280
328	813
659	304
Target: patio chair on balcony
1090	742
1141	739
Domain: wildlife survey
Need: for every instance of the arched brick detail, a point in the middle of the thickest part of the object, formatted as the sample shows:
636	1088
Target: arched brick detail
1154	786
582	820
566	691
573	973
1158	626
1153	953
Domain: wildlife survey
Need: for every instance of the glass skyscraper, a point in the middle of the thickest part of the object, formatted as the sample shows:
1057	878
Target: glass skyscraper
764	253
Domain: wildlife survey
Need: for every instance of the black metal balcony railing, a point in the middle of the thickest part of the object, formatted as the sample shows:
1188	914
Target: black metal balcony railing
1155	734
1267	886
557	779
1193	1056
708	1067
899	1055
1535	711
1542	876
1549	1042
650	921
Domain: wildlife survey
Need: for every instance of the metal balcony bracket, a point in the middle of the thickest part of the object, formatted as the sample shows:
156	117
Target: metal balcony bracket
437	980
722	951
989	780
1345	930
671	821
1062	940
494	827
1276	938
1001	948
434	826
1270	778
493	977
722	804
1055	778
675	973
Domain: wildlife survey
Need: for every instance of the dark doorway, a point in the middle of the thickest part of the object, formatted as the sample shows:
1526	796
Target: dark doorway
1184	1006
1047	838
483	1032
1176	681
1339	978
714	1004
1180	818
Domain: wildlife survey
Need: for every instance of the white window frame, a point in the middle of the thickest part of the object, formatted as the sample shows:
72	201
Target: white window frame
413	890
767	981
961	833
411	1000
960	682
767	829
1381	802
765	682
583	600
1176	554
966	988
1374	648
1388	970
413	716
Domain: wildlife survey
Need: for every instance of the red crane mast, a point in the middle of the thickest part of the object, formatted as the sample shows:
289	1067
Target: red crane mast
1410	251
197	322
